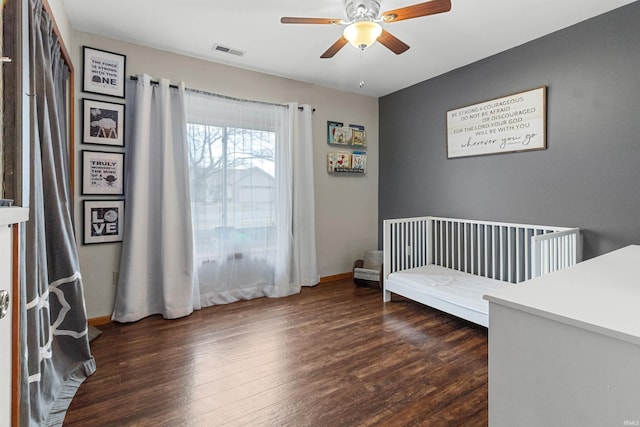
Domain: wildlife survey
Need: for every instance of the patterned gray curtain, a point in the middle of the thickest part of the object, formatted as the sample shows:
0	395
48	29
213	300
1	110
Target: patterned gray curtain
55	355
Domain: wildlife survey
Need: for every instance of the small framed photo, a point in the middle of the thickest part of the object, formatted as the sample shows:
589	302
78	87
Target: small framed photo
102	173
102	123
358	135
103	221
103	72
337	134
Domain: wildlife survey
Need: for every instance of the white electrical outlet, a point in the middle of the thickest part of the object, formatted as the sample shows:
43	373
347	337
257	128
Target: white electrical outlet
409	250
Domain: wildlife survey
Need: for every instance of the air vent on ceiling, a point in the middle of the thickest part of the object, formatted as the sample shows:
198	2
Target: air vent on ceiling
224	49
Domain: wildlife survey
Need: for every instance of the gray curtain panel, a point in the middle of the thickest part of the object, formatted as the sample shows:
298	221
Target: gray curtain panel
55	351
156	265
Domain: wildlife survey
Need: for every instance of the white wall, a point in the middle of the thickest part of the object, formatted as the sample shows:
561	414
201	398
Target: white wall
62	22
346	206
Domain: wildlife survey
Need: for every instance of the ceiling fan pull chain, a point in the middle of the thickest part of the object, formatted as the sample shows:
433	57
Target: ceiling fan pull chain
361	68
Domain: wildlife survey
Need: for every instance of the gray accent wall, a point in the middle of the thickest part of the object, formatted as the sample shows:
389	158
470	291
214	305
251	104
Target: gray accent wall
589	175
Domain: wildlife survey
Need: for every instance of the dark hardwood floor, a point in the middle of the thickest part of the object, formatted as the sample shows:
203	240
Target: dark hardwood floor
333	355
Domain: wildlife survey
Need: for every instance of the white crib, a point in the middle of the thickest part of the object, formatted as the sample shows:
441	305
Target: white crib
449	263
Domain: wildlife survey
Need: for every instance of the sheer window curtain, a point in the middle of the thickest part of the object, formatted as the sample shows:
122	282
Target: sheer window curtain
156	265
252	202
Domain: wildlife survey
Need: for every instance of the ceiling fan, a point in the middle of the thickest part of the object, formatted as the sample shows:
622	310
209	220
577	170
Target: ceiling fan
363	23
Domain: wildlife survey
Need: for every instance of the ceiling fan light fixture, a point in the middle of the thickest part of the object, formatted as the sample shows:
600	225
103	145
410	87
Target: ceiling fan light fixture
362	34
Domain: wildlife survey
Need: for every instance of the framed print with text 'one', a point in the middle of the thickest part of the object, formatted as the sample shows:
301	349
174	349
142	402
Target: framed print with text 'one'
103	72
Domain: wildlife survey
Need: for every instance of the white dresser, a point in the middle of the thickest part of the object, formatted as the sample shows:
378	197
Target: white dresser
564	349
8	217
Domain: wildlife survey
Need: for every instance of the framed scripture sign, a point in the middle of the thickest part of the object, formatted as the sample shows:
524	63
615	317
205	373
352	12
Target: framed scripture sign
103	72
103	221
102	173
510	124
102	123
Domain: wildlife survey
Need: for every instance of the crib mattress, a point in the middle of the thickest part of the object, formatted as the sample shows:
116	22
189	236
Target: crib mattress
455	287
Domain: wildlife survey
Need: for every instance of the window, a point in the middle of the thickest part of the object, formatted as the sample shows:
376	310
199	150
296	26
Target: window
232	190
254	232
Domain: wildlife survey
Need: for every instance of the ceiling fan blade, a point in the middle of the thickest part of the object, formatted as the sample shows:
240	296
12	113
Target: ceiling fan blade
392	43
417	10
334	48
293	20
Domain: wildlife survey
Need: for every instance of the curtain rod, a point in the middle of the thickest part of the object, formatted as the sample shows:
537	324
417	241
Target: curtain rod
155	82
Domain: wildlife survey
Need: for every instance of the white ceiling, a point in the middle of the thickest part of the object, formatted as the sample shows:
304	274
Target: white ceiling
472	30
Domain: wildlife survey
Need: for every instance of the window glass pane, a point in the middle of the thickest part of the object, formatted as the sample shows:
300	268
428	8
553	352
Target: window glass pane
233	192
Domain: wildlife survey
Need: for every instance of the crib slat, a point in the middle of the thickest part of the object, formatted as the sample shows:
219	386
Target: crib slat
459	243
478	253
403	247
486	251
545	257
466	244
411	245
508	253
419	240
494	254
527	242
400	237
446	244
501	254
472	247
427	240
396	245
412	242
518	244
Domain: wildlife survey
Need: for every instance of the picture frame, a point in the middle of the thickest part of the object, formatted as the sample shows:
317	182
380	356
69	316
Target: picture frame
510	124
103	72
102	173
358	138
103	221
352	135
102	123
337	134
